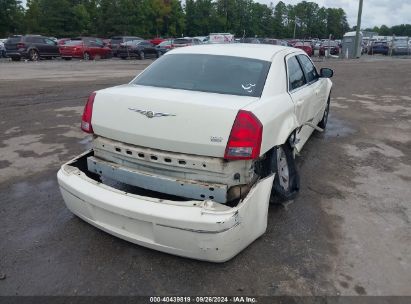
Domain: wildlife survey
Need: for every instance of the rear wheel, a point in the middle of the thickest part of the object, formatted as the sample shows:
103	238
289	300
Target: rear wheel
141	55
323	123
33	55
15	58
67	58
124	58
286	181
86	56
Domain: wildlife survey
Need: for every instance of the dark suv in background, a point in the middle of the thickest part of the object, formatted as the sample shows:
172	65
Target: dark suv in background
32	47
116	41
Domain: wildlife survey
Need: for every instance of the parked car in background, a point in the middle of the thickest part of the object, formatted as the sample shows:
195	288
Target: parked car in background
117	40
199	131
379	47
400	47
32	47
87	48
187	41
157	40
107	43
331	47
140	49
274	41
251	40
219	38
203	39
62	41
164	46
305	46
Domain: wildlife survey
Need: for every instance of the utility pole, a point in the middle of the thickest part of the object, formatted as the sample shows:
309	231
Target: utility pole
357	34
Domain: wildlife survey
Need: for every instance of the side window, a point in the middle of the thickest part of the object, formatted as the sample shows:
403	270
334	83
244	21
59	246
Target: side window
309	68
50	42
296	77
39	40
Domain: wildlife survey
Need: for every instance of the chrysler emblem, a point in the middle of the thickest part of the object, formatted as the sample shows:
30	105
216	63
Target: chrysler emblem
150	114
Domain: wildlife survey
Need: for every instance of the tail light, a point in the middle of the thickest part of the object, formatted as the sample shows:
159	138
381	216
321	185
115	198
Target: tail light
21	45
245	137
87	114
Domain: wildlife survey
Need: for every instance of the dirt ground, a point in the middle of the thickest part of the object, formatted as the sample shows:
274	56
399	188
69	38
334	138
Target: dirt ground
348	232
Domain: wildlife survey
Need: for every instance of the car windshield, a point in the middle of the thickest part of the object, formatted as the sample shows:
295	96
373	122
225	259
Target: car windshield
207	73
182	41
164	43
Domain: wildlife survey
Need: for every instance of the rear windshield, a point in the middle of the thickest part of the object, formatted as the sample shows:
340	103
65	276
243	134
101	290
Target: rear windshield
13	40
207	73
74	42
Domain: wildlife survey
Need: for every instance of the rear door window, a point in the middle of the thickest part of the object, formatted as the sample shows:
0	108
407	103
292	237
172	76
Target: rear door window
296	78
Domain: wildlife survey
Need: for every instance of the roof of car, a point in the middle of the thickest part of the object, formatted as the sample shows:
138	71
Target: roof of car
254	51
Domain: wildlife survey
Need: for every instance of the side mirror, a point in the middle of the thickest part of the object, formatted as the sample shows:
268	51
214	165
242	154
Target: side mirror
326	73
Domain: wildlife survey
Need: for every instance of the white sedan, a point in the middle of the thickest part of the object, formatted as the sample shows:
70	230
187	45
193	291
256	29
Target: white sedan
186	157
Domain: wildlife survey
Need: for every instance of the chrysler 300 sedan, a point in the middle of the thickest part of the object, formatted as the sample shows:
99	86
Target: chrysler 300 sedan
187	156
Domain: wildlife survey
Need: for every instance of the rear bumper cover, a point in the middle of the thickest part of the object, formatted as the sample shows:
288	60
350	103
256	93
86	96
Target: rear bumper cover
202	230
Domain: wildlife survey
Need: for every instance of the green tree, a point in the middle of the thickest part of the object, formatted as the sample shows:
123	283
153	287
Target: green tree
11	17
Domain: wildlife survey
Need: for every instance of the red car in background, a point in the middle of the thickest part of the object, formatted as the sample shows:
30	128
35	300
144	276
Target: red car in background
87	49
305	46
332	46
63	41
157	41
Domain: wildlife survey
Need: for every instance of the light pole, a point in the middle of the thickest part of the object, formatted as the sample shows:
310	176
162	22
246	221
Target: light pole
295	26
357	34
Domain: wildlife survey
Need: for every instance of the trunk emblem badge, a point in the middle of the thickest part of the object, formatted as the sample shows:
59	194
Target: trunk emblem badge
150	114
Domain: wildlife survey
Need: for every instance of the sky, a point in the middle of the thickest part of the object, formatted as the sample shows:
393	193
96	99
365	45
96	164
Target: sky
375	12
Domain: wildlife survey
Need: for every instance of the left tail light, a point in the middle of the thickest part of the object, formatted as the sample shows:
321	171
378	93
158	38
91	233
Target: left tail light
245	137
87	114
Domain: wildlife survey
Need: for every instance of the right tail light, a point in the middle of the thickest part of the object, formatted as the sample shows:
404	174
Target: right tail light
87	114
245	137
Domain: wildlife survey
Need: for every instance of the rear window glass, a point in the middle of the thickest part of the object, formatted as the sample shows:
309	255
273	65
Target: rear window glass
207	73
74	42
13	40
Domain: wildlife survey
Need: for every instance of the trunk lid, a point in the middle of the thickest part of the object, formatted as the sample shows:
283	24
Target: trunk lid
184	121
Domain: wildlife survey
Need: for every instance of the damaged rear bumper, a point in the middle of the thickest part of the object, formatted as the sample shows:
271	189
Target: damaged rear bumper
203	230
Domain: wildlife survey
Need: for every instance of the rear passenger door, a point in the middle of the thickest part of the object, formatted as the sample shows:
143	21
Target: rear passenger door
317	87
302	95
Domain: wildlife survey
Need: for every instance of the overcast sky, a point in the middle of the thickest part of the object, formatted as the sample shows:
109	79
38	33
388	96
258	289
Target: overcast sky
375	12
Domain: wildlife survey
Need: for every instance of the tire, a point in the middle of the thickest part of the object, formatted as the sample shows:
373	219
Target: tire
141	55
34	55
323	123
86	56
124	58
287	180
67	58
15	58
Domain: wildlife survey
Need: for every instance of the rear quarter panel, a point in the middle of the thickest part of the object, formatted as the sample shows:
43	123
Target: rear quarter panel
275	109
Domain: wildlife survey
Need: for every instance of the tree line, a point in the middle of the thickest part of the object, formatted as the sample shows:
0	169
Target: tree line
170	18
